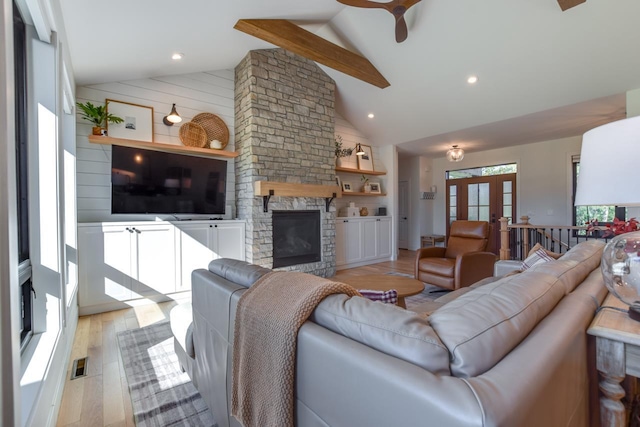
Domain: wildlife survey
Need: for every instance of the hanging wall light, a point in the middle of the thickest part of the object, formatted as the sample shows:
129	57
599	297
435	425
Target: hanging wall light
359	150
172	118
455	154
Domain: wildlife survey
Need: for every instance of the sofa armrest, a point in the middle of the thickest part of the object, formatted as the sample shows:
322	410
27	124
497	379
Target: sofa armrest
430	252
472	267
503	267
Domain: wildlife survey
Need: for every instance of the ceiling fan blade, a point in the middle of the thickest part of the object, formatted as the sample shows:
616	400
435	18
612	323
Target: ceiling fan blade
365	3
568	4
407	4
401	29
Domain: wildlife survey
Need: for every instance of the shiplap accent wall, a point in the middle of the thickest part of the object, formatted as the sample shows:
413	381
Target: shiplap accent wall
350	137
211	92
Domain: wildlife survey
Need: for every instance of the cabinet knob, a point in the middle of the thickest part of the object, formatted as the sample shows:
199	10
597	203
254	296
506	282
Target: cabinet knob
129	230
216	226
136	230
210	226
378	219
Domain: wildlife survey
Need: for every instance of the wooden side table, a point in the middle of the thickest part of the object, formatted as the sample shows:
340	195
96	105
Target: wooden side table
617	355
430	240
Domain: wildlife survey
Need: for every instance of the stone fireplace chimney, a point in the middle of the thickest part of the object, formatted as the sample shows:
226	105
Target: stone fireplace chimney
284	132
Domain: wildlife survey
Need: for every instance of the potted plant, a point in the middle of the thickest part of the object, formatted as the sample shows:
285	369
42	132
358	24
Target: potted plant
341	152
97	114
366	187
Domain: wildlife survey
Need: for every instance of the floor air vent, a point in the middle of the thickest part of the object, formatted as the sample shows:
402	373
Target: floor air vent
79	368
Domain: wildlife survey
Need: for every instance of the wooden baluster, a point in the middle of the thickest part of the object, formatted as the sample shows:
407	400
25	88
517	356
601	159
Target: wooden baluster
505	251
525	243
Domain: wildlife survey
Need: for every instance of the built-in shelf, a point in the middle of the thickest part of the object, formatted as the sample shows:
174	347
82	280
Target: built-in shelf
357	193
181	149
358	171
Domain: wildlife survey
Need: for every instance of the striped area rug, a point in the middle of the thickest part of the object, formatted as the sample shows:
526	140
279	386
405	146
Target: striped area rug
161	394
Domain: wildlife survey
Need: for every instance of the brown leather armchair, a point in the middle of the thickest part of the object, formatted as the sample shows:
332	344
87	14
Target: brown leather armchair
463	262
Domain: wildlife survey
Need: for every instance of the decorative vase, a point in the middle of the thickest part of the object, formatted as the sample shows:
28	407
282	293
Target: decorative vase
367	188
97	130
339	162
364	211
620	268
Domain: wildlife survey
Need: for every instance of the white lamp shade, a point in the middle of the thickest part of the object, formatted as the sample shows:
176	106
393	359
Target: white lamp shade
610	165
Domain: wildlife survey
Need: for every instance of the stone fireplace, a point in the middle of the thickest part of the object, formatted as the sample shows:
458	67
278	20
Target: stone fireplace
284	132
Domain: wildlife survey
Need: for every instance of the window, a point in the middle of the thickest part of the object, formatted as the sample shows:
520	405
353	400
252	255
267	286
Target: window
483	171
24	269
583	214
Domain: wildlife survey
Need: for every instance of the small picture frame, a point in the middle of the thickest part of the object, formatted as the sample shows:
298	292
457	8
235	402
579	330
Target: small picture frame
347	187
138	121
338	182
365	162
375	187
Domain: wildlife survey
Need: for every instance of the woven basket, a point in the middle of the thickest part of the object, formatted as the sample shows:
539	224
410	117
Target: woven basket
214	127
193	135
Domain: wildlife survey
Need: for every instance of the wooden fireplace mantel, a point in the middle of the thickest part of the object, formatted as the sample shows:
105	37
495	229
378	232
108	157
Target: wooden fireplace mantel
266	189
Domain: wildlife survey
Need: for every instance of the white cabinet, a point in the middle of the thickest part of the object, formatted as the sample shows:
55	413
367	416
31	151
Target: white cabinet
200	243
124	262
361	241
121	262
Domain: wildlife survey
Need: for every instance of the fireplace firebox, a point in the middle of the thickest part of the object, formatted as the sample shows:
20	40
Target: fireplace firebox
296	238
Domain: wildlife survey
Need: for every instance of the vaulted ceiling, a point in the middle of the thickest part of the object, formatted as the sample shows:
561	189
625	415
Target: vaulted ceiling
543	73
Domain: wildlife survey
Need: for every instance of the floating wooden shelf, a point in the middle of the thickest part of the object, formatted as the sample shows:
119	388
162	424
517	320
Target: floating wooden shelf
180	149
357	193
266	189
358	171
287	189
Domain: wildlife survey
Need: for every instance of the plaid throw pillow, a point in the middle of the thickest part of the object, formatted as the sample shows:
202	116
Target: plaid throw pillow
387	297
538	257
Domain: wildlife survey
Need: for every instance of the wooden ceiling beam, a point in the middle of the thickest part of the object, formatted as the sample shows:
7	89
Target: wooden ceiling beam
286	35
568	4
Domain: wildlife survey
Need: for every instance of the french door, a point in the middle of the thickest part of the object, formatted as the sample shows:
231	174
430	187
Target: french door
485	198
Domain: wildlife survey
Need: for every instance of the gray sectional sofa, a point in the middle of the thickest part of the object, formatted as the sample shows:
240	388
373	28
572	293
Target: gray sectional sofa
509	352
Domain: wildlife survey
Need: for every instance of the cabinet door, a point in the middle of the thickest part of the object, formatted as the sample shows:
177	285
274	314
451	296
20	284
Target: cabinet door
195	242
384	237
353	235
369	239
154	260
341	242
229	241
104	264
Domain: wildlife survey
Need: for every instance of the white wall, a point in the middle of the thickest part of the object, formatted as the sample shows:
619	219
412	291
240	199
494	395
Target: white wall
543	180
350	137
211	92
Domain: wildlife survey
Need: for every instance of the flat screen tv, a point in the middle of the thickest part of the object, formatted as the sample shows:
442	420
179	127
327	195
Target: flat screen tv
154	182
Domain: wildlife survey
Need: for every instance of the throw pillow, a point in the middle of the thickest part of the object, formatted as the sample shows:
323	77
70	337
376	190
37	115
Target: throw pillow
387	297
539	246
538	257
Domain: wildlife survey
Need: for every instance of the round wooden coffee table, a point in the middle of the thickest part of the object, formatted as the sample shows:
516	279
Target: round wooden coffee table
406	286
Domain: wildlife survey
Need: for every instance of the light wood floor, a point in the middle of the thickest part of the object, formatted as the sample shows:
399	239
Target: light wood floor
102	397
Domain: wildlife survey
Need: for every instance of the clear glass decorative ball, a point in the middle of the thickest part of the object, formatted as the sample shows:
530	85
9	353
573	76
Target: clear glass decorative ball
621	267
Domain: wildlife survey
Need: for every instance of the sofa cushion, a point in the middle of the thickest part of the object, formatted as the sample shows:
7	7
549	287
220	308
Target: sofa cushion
537	246
386	328
538	257
480	327
576	264
236	271
440	266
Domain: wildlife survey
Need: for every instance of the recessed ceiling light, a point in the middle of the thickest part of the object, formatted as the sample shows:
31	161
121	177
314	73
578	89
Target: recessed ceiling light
371	115
177	56
472	80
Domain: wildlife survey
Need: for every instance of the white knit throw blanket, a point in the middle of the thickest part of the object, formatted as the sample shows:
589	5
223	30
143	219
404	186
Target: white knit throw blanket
264	350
